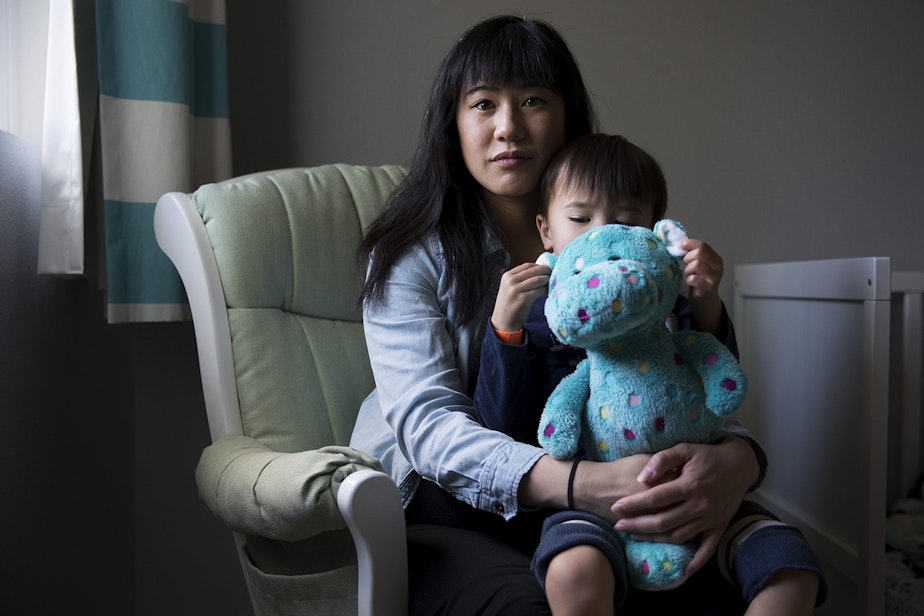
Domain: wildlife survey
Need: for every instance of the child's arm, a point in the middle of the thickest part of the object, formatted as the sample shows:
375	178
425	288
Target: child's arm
703	271
519	288
504	391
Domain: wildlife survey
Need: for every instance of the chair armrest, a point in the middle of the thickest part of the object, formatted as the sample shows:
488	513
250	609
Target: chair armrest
286	496
372	509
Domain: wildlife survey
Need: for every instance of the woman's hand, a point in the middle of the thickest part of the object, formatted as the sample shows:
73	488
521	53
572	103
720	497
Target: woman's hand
696	505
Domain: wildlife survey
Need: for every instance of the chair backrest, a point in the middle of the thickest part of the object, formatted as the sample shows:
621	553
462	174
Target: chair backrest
300	380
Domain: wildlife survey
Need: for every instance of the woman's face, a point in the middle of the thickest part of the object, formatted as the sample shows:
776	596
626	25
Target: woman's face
508	135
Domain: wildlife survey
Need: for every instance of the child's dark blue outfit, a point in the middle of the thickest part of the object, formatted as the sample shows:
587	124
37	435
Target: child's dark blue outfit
515	380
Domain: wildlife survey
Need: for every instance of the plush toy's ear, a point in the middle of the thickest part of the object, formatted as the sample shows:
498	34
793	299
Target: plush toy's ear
547	258
671	233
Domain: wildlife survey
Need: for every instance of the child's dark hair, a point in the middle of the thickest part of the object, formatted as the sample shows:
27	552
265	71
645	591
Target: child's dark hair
610	164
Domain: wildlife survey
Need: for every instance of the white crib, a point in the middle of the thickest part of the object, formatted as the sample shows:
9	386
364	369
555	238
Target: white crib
827	357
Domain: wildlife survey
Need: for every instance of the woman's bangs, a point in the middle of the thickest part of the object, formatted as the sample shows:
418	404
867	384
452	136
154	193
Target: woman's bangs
515	61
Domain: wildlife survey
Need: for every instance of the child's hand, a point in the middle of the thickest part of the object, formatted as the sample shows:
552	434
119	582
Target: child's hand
703	272
519	288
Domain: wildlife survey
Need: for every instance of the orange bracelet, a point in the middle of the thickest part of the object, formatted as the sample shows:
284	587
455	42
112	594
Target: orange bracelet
510	337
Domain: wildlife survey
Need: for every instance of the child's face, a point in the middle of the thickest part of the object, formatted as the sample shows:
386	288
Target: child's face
572	212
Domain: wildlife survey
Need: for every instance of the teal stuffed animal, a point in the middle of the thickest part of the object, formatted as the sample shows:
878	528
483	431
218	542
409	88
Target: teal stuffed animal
641	388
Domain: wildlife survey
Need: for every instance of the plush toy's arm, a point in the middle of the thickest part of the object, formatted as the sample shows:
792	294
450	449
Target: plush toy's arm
723	379
560	425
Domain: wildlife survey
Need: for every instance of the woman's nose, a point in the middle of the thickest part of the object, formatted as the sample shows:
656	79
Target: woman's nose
508	124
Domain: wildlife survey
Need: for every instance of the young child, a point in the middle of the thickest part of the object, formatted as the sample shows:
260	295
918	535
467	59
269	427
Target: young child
597	180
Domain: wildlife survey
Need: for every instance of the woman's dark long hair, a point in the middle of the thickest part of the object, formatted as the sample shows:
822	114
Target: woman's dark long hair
439	193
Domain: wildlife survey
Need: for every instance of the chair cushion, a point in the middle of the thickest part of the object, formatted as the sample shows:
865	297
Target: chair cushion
285	245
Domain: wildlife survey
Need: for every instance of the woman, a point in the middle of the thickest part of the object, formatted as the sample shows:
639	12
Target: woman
507	96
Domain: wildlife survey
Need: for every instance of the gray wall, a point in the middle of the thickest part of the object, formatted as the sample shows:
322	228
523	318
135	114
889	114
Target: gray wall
100	430
788	130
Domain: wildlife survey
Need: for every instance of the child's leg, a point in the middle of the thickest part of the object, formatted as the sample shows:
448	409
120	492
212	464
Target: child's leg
580	581
581	565
790	592
776	568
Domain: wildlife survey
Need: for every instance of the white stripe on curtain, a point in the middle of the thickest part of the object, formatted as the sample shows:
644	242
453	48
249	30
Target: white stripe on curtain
163	127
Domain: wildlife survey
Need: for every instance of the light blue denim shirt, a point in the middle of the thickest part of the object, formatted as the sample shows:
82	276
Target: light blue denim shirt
419	419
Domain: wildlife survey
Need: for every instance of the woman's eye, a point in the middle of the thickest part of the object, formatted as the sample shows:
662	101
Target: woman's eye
581	220
532	101
482	105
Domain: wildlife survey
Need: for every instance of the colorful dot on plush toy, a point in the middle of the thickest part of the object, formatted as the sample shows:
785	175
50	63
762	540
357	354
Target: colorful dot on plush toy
710	359
644	367
549	431
593	283
645	568
583	317
634	400
616	306
602	446
604	412
629	434
729	385
659	424
678	360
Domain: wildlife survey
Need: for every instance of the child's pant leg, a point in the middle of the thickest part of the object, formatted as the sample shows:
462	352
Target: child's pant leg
757	545
569	529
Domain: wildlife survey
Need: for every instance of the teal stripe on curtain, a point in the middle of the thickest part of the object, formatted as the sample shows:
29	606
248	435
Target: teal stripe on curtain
136	248
164	127
210	87
146	44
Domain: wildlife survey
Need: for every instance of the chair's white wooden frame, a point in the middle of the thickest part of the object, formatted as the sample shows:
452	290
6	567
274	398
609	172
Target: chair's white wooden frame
849	461
368	500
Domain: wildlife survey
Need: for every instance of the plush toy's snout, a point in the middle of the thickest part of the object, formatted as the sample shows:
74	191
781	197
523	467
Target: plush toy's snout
614	297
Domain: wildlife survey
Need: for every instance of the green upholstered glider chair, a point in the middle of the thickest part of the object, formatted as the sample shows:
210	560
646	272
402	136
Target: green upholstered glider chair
267	262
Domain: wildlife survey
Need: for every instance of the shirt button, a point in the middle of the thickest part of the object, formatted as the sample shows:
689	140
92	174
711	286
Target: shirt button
499	507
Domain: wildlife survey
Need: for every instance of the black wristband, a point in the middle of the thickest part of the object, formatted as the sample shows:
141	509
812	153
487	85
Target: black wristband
571	483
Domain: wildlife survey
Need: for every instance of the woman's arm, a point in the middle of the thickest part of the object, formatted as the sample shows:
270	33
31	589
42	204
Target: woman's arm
597	485
423	363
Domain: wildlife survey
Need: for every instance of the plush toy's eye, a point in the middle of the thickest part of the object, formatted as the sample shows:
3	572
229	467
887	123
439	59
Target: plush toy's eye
615	258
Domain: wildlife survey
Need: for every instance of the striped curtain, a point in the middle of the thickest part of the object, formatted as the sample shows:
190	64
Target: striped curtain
164	126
